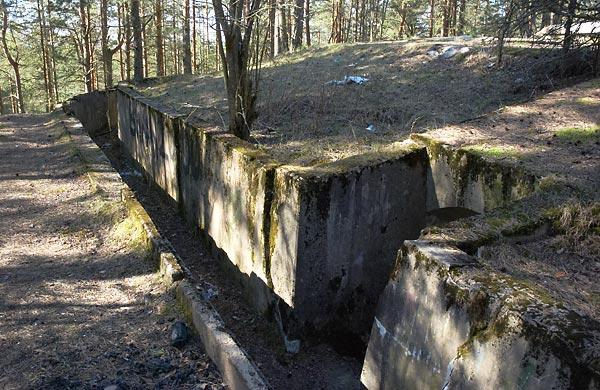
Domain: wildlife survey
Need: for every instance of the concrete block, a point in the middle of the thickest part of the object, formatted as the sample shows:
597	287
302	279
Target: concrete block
335	232
445	322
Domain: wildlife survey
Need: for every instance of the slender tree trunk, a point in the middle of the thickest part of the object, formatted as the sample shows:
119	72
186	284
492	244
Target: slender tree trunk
121	21
194	43
241	94
128	45
431	17
272	4
1	102
13	61
299	27
462	17
158	38
138	54
45	67
187	53
546	19
14	105
52	53
402	19
283	28
85	49
144	42
175	47
307	22
106	57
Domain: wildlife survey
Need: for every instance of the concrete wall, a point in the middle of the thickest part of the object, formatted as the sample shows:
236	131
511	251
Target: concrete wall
320	241
92	110
444	322
149	132
226	189
460	178
337	228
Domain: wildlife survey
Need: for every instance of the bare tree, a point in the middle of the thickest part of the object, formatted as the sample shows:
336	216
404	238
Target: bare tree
234	32
107	51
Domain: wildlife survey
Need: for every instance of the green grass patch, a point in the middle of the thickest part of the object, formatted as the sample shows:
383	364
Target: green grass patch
494	151
579	134
588	101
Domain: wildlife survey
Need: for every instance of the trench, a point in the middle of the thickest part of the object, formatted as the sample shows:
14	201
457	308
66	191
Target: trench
318	365
331	357
332	360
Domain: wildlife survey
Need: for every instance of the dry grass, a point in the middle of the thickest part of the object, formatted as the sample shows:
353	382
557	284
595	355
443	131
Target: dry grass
305	120
566	266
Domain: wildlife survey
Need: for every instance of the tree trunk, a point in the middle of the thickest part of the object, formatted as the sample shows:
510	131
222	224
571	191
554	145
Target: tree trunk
194	43
144	42
52	54
402	19
431	17
241	94
13	61
187	52
546	19
175	47
127	18
272	28
106	56
283	29
1	102
158	38
299	27
45	67
138	54
307	22
85	46
462	17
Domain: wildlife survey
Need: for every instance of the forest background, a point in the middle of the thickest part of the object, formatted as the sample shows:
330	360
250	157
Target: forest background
55	49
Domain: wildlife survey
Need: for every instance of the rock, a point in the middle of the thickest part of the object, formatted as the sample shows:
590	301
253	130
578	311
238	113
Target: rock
179	334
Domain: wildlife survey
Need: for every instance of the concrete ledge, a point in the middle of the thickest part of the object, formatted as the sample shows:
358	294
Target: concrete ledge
237	369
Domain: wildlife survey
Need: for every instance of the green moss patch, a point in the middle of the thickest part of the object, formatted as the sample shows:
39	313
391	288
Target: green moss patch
579	134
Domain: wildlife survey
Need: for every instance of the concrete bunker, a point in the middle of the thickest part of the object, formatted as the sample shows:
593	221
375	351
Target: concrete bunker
320	242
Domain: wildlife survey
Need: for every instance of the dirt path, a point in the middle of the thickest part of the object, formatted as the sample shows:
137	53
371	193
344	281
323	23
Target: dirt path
79	306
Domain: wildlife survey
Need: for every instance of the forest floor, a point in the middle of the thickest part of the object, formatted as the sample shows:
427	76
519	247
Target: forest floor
80	307
305	118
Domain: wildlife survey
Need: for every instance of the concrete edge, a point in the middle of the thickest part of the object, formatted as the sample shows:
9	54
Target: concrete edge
236	367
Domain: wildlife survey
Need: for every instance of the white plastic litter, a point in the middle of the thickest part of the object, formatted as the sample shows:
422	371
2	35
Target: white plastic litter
371	128
433	53
349	80
451	51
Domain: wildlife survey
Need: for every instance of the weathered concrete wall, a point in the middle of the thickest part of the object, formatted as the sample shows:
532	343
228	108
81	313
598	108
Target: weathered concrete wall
149	133
336	229
457	177
91	109
445	322
323	240
226	188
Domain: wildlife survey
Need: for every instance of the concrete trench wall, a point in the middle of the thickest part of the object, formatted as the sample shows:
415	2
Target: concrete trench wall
444	323
320	242
459	178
